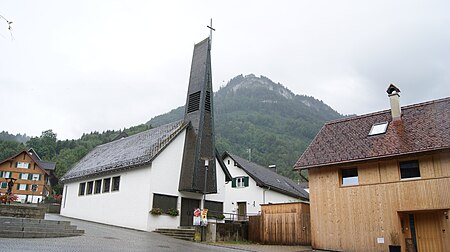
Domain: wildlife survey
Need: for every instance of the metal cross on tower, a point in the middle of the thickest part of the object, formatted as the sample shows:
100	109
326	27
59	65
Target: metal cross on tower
211	29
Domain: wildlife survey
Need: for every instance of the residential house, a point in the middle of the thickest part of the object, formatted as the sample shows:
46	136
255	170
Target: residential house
30	174
253	185
382	178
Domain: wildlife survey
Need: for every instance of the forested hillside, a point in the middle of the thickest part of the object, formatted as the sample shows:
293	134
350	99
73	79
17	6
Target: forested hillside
263	121
255	118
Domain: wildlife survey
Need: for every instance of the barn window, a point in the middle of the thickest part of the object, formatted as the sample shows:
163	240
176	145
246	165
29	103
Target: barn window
409	169
81	189
165	202
349	176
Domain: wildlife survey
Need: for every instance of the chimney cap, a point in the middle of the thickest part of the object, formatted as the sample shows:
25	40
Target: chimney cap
392	89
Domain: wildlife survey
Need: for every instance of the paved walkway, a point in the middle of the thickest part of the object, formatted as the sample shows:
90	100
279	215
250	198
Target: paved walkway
100	237
265	248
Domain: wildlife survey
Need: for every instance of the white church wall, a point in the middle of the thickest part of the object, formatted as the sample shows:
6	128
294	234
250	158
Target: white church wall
125	207
163	179
253	195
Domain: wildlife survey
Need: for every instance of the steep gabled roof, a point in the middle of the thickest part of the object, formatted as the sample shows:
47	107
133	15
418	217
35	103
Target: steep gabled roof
264	177
423	127
49	166
45	166
126	153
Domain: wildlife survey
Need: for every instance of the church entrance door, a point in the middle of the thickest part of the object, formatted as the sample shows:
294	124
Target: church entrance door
187	211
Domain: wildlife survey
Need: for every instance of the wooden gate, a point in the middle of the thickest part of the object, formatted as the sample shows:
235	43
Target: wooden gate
287	224
428	232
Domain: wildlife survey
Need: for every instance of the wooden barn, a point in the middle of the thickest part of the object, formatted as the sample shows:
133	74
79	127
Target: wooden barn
382	179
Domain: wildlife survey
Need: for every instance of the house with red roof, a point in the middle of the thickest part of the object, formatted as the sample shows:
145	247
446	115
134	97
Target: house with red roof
382	179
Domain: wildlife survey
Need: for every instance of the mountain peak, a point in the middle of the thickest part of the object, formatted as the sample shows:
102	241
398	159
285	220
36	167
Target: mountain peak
251	81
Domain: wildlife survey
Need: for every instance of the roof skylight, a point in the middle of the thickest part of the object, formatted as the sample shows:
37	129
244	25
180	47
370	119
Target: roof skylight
378	128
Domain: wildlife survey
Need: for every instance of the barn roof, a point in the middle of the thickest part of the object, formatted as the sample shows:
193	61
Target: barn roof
125	153
423	127
264	177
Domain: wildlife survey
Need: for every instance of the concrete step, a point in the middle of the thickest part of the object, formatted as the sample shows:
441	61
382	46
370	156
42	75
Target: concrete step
184	234
36	228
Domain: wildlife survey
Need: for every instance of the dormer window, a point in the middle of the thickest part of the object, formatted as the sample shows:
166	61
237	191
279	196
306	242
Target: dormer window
378	128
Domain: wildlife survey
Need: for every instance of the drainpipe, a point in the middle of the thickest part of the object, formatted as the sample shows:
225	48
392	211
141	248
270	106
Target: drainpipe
264	194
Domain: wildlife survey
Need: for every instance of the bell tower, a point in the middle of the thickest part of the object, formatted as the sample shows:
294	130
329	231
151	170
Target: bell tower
199	113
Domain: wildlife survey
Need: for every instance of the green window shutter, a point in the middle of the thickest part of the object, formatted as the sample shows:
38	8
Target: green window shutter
1	174
26	187
18	186
16	164
233	183
245	181
39	177
20	176
30	176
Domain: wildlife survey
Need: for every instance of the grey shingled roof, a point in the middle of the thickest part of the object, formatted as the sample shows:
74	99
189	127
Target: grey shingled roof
125	153
264	177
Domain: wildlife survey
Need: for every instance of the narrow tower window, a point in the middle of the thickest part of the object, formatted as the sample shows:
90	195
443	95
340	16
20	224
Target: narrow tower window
194	102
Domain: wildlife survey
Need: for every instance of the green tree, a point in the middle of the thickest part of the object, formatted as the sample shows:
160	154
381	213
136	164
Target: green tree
45	145
9	148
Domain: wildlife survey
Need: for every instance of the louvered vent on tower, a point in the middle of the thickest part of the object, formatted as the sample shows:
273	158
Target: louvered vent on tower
208	102
194	102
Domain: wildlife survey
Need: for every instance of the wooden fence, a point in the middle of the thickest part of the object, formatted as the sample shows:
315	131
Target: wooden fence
285	224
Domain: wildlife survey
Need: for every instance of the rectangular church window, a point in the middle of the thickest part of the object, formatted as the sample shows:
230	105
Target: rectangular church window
215	208
164	202
98	186
106	185
81	189
90	187
115	183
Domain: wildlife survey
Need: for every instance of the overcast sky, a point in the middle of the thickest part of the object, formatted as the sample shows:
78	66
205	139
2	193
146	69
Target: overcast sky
80	66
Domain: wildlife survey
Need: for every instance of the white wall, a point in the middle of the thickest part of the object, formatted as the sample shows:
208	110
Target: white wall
253	194
130	206
123	208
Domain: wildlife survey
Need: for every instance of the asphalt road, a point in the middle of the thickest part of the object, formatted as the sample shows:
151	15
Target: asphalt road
99	237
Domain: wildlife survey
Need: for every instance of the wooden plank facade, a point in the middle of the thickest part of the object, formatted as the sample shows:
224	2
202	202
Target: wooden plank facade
362	217
27	173
283	224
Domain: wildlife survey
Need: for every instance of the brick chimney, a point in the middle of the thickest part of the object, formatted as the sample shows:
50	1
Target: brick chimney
394	98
